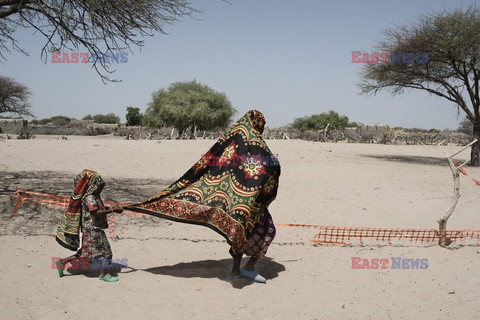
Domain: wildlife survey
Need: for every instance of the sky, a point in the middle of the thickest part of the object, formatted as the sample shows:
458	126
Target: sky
288	59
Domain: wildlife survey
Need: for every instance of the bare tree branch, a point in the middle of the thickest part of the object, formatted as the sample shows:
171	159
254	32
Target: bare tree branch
105	26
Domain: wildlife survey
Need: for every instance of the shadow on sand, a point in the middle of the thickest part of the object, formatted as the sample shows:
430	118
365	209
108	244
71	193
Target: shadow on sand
92	271
210	269
432	161
34	220
220	269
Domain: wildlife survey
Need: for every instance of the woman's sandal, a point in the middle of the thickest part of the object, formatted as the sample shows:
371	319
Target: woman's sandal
252	275
108	278
60	267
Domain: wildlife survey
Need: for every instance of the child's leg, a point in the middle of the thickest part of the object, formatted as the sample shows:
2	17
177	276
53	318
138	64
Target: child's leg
60	264
104	275
105	267
103	247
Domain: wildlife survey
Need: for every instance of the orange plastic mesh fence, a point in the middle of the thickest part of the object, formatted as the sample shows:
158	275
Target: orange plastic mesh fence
59	202
359	235
465	173
326	234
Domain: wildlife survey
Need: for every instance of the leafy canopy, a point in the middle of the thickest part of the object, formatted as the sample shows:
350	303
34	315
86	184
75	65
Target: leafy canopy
320	121
55	120
14	97
110	118
452	72
133	116
189	104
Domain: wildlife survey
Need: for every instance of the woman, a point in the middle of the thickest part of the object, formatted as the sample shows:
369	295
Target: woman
228	190
86	212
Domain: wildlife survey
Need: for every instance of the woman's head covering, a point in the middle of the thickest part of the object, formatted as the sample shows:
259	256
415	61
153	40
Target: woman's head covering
87	182
228	189
257	120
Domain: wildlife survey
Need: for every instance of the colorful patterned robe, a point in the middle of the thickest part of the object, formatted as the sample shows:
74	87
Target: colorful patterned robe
228	190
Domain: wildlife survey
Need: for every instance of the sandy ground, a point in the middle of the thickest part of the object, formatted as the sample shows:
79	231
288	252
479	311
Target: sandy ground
179	271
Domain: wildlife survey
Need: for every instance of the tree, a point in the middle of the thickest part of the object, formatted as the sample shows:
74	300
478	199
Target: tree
189	105
320	121
88	117
112	25
110	118
465	126
133	116
14	97
55	120
451	43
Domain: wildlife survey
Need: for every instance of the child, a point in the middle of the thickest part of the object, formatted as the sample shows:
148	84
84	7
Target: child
86	212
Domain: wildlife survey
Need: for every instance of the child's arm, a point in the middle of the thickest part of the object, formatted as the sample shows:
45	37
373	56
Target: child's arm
93	206
115	208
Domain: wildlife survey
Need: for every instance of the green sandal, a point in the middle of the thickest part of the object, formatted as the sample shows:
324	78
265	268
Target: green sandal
108	278
60	267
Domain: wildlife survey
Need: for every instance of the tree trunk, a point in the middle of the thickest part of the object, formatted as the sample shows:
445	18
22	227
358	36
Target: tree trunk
193	132
475	153
180	133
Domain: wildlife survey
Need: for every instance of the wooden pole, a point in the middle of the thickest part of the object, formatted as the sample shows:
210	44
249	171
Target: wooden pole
442	222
